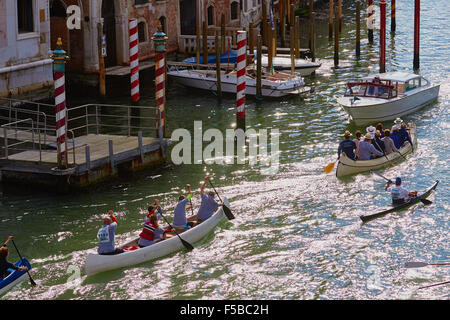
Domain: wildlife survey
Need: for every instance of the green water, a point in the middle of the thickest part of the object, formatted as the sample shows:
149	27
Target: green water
297	234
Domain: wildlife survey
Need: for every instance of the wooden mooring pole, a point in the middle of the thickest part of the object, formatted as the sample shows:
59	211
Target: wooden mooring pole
340	15
292	47
240	87
393	23
370	22
297	37
336	40
258	68
382	36
330	21
312	42
218	73
269	47
222	33
281	4
358	29
416	62
197	47
205	43
101	61
264	23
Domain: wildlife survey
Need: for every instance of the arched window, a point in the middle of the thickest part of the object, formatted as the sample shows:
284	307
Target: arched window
234	10
142	35
162	20
211	16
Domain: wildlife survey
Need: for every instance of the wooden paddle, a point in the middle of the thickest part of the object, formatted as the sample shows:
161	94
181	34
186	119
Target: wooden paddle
227	210
424	201
185	243
21	259
434	285
416	264
330	166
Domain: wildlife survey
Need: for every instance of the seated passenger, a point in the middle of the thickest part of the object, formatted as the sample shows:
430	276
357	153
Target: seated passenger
347	146
378	143
389	145
404	135
151	232
366	150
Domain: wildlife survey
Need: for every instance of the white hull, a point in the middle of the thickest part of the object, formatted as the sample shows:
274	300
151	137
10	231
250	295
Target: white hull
205	80
96	263
302	66
14	283
347	166
370	110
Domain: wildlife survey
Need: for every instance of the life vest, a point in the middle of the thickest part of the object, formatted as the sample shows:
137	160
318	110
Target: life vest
148	231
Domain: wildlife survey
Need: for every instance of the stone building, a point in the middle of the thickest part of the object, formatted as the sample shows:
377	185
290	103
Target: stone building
24	44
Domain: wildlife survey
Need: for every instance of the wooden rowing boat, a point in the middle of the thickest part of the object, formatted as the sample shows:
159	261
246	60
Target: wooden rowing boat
393	208
15	276
347	166
96	263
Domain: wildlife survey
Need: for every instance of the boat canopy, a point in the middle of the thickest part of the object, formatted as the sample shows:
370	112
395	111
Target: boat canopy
382	89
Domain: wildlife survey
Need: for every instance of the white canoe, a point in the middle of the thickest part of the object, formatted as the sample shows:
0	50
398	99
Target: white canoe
96	263
347	166
407	93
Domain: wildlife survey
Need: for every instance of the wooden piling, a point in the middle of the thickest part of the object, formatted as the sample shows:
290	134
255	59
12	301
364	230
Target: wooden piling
258	67
297	37
292	16
269	47
312	45
282	22
264	23
292	51
393	23
311	5
416	62
358	29
382	36
340	15
222	33
101	62
205	43
218	75
288	12
330	21
111	154
370	22
250	38
336	40
274	41
197	46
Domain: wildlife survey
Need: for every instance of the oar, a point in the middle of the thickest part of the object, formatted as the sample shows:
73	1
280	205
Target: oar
424	201
330	166
227	210
416	264
390	163
31	279
434	285
185	243
401	154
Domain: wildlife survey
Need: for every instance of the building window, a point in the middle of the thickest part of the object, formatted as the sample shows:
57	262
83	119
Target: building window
137	2
234	10
162	20
211	16
25	16
141	32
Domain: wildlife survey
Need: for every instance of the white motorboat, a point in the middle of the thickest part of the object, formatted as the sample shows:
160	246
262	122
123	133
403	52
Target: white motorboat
283	62
274	85
96	263
387	96
347	166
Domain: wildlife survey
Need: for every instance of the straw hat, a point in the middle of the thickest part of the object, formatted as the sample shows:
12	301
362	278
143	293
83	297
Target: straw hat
368	136
347	134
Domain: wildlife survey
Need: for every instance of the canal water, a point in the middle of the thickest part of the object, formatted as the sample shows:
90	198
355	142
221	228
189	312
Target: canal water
297	233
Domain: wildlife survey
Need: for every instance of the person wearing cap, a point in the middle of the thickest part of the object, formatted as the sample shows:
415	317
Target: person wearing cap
404	135
389	145
371	130
395	136
105	236
180	222
377	142
398	122
347	146
366	150
399	194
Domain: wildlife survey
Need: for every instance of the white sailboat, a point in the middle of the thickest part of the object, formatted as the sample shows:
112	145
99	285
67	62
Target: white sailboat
387	96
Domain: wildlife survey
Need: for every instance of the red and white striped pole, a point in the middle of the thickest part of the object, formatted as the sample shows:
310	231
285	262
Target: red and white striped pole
59	68
382	36
240	88
160	40
134	60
